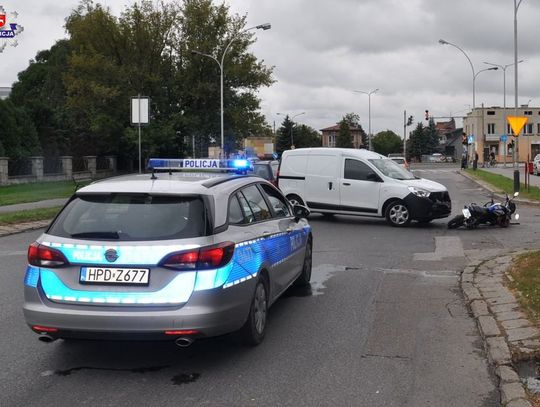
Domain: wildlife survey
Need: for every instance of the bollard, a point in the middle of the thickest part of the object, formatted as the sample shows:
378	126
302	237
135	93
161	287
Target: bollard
516	180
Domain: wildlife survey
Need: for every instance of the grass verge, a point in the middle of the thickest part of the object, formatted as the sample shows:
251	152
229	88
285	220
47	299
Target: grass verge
38	191
505	184
526	274
28	216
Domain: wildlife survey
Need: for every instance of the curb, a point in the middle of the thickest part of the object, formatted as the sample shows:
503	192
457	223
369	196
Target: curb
496	194
507	334
23	227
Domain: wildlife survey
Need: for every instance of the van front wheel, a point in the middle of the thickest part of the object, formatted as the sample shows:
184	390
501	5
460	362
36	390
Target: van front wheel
295	200
397	214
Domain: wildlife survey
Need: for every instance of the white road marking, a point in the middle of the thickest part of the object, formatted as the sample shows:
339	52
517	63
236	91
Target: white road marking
445	246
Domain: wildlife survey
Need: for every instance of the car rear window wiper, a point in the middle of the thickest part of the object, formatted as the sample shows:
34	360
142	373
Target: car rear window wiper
97	235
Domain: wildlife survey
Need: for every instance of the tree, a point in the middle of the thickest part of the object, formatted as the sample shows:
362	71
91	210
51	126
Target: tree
416	142
386	142
431	137
18	137
283	136
305	136
344	137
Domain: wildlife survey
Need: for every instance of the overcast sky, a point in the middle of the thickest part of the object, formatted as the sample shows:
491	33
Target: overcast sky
323	50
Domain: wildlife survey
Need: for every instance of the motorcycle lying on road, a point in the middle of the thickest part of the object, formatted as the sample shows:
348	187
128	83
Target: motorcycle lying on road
491	214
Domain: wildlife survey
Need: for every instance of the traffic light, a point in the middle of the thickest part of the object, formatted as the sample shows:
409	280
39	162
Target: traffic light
427	114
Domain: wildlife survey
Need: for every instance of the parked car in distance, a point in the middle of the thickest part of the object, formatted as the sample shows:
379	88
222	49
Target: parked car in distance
401	161
265	169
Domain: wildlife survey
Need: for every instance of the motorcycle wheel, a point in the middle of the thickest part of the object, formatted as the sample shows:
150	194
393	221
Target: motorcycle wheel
503	221
456	222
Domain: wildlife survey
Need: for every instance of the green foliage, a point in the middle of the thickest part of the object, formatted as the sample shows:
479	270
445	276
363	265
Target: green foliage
386	142
18	137
344	138
36	191
283	136
28	215
77	93
422	140
305	136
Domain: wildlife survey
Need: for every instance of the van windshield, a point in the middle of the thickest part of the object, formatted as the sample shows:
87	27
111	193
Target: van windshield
391	169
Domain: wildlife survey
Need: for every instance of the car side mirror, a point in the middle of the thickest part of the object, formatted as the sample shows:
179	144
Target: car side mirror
373	177
300	211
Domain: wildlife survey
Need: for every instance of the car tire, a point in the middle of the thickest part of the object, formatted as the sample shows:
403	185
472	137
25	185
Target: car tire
456	222
305	276
397	214
295	200
252	333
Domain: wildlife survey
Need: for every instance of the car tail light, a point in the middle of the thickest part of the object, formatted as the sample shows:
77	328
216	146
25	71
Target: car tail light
40	329
182	332
43	256
205	258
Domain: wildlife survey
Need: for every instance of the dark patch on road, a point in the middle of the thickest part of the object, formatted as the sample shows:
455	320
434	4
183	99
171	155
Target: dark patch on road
184	378
147	369
298	291
368	355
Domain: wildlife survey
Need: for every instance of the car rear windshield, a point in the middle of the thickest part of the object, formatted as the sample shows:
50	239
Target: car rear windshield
399	160
131	217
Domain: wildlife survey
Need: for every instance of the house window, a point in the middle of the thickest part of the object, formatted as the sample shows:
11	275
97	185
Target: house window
491	113
528	129
331	140
527	112
491	128
538	130
508	129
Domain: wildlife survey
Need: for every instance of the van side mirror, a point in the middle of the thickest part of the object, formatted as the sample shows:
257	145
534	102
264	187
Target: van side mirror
300	212
371	176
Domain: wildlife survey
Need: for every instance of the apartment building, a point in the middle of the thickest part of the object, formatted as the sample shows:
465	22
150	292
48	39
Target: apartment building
330	134
487	127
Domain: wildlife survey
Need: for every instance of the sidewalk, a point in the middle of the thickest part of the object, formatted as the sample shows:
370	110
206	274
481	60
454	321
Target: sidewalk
48	203
509	172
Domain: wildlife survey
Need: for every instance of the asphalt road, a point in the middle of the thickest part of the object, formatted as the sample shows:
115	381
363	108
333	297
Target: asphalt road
383	324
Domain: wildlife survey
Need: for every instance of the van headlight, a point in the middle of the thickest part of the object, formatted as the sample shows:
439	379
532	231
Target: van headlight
419	192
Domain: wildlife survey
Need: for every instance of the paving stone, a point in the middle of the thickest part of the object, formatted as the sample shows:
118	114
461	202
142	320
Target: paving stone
507	374
504	307
503	259
515	323
531	343
506	316
488	326
479	307
471	292
506	299
496	294
511	391
498	351
519	403
518	334
489	286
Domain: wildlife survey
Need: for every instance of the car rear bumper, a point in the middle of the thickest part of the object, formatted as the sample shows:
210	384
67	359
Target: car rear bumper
210	312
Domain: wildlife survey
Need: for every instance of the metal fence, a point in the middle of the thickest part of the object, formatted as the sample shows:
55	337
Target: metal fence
79	164
103	163
52	166
19	167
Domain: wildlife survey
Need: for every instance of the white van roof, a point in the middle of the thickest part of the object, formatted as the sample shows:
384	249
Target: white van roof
351	152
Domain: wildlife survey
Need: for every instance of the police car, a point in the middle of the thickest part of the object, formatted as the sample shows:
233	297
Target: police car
176	255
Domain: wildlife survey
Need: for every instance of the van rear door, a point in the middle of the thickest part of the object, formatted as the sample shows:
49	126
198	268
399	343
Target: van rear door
322	187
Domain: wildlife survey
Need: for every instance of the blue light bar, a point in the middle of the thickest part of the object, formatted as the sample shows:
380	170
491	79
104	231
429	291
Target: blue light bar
200	164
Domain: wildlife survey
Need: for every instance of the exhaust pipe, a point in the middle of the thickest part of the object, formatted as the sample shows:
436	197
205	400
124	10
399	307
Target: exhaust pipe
46	338
183	342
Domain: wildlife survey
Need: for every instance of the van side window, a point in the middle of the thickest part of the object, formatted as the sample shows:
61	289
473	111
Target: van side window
355	169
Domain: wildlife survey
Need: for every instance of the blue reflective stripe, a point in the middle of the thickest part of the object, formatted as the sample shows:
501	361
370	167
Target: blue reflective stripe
32	276
177	291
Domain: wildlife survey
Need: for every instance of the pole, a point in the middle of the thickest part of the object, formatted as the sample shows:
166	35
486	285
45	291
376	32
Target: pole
139	108
405	134
516	149
221	153
505	126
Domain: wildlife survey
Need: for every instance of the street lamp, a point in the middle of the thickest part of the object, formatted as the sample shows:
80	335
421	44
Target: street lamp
369	112
292	124
503	67
263	27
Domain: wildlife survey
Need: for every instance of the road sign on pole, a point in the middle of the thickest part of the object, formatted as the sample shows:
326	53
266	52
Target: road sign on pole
504	138
517	123
140	115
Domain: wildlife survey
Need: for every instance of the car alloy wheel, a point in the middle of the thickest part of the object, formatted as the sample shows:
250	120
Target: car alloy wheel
398	214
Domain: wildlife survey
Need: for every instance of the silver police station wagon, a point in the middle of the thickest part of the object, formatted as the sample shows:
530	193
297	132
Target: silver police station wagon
171	255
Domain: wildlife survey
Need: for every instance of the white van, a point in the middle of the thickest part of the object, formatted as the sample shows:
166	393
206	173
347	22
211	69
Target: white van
360	182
